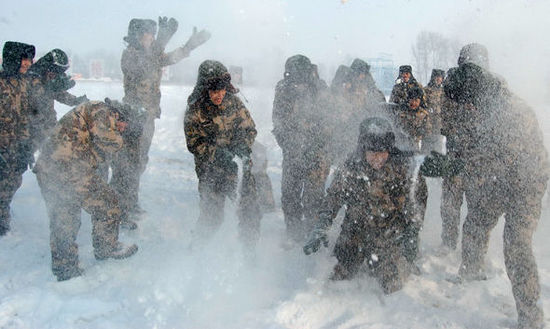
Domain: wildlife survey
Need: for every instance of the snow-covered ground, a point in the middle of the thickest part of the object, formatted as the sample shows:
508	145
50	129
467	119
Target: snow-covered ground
167	285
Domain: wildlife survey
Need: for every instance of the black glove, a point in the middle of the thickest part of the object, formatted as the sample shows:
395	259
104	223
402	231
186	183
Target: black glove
439	165
167	28
61	82
316	237
82	99
196	39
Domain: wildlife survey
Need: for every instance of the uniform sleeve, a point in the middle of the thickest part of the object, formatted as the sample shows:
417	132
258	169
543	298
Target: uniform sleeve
174	56
198	141
66	98
282	115
245	129
334	198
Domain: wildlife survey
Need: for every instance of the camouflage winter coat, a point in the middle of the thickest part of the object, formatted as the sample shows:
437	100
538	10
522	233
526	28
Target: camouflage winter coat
399	93
216	134
14	117
142	70
82	140
415	123
375	200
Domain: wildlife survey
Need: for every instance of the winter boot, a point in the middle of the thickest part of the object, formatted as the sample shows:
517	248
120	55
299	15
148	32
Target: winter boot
66	274
120	251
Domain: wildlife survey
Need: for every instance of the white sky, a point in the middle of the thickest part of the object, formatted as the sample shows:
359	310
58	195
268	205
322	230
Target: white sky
328	31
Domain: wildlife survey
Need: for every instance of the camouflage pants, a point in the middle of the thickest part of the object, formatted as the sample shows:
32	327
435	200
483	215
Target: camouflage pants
452	197
488	199
302	190
10	181
411	234
212	204
265	191
64	204
381	251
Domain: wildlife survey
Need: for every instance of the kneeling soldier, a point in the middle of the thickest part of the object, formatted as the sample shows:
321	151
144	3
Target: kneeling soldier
375	186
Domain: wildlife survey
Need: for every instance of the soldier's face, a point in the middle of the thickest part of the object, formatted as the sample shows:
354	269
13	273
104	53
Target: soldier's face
377	159
216	96
439	80
414	103
147	40
405	76
25	64
121	125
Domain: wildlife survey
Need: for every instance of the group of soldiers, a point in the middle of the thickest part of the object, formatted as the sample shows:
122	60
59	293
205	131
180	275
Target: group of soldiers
381	151
465	126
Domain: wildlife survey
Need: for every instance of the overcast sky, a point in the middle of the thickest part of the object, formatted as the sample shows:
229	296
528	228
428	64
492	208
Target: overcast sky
328	31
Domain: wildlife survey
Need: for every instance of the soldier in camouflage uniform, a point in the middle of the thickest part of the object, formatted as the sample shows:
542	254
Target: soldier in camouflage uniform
142	63
506	171
434	99
218	127
49	83
375	186
15	144
301	130
66	171
354	96
405	81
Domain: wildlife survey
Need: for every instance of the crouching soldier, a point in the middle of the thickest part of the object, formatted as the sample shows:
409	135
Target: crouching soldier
218	127
67	174
374	184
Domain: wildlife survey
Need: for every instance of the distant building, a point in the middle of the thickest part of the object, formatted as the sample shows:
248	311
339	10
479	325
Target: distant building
96	69
236	74
383	72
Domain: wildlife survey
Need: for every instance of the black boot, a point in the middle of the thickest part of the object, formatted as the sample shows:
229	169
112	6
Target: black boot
120	251
66	274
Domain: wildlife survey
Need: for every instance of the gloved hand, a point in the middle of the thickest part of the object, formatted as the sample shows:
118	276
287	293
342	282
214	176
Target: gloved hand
82	99
167	28
196	39
61	82
316	237
439	165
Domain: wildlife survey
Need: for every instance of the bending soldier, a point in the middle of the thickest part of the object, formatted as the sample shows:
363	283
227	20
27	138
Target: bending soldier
15	142
374	184
66	171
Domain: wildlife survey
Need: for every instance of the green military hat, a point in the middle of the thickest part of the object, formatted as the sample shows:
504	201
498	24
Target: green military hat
298	68
13	53
376	134
474	53
137	27
359	66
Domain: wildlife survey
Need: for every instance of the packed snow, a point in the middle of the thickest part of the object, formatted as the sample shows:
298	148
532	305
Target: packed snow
168	284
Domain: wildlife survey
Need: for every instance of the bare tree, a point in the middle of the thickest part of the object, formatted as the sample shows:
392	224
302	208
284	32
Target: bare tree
433	51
